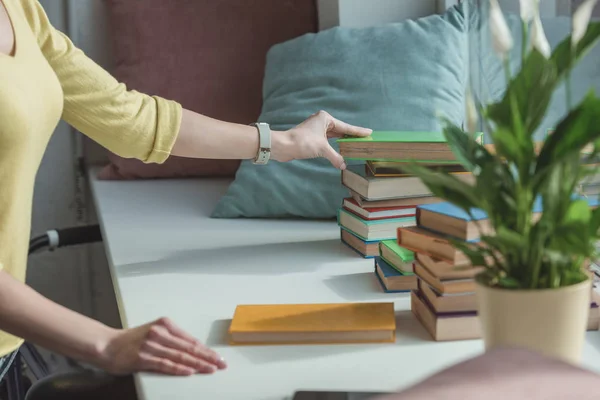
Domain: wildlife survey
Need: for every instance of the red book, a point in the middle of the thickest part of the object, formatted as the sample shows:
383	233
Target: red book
374	213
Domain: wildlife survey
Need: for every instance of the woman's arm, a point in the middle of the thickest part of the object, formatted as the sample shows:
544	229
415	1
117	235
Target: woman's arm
136	125
159	346
205	137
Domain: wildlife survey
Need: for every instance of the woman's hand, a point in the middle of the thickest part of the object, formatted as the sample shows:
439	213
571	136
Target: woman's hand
160	347
309	139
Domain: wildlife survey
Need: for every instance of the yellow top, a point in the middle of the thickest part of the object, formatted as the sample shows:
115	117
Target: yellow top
47	78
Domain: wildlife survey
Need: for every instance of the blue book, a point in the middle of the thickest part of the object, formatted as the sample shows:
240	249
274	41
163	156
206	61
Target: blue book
392	280
449	220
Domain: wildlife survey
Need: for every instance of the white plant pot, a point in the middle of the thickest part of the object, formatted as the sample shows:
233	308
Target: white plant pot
550	321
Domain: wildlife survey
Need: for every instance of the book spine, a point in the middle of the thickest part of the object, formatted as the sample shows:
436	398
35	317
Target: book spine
418	216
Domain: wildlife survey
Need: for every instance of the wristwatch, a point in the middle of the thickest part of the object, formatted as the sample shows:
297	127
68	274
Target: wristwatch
264	143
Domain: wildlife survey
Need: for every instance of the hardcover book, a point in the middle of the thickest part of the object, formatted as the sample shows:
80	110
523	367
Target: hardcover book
367	322
380	229
398	257
432	244
447	219
465	325
391	280
366	249
397	169
394	202
373	213
402	146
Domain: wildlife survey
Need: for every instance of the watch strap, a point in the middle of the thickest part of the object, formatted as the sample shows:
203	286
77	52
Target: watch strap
264	143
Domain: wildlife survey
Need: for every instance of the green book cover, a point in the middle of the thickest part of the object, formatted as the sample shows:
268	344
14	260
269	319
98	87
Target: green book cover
404	254
403	137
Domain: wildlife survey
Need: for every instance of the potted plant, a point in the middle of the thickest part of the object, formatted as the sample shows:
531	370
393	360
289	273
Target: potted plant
534	291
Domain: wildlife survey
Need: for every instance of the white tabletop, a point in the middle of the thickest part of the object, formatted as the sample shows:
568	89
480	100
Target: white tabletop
169	258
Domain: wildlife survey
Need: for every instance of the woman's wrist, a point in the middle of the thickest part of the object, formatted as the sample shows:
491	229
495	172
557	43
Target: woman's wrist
282	147
99	351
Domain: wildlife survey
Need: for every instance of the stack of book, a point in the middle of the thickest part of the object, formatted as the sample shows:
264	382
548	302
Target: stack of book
383	196
394	268
444	300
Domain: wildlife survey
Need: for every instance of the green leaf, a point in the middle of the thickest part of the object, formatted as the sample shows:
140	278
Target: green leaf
510	238
580	127
531	89
446	186
508	282
490	187
594	224
578	212
572	238
476	257
507	147
563	56
467	150
508	243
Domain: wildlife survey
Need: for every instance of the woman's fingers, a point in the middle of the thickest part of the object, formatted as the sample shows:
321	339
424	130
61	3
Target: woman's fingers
177	331
163	336
152	363
178	357
337	128
334	157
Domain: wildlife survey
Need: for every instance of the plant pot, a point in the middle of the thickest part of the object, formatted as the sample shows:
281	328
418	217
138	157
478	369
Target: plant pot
550	321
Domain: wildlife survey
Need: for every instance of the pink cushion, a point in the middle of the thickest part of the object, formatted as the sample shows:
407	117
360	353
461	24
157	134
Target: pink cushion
208	55
506	374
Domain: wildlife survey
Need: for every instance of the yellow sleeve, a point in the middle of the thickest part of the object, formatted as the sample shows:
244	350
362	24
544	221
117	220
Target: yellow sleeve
126	122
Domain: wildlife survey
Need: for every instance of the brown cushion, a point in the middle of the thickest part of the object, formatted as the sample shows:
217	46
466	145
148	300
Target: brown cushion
506	374
208	55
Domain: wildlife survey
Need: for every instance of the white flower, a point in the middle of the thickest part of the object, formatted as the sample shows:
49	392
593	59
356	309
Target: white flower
538	37
529	9
502	40
581	19
471	111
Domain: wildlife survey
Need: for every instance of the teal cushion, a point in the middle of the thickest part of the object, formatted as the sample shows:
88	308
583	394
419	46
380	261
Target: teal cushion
399	76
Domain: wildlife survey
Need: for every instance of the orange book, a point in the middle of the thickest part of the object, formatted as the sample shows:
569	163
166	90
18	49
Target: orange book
313	323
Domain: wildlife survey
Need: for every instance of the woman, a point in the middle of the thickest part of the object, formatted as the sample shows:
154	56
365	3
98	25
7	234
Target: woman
43	77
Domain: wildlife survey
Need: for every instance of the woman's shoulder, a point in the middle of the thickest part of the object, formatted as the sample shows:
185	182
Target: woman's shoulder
33	12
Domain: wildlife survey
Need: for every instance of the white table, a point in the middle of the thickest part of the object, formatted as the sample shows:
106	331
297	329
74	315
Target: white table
168	258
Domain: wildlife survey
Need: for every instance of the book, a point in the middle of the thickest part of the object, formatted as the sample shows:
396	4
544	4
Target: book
448	302
370	187
448	219
367	322
444	270
396	202
398	257
392	280
444	286
589	190
451	220
445	326
465	325
372	213
430	243
402	146
397	169
367	249
372	230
